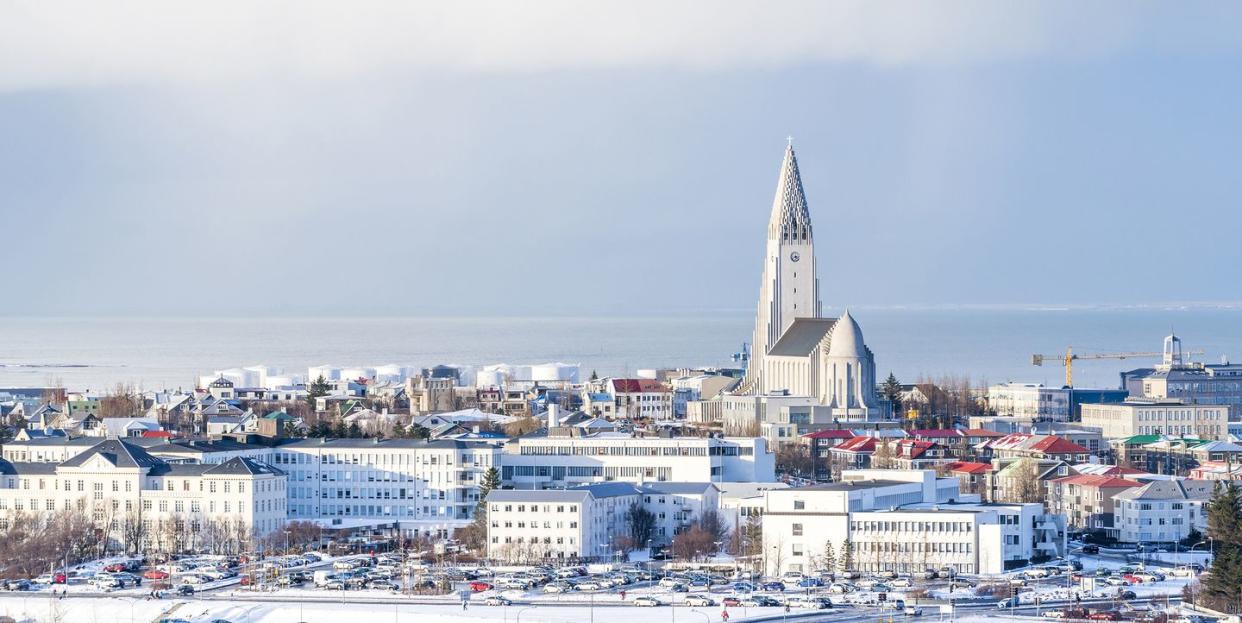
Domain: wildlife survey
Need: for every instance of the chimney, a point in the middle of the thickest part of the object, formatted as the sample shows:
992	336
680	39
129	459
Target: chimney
553	415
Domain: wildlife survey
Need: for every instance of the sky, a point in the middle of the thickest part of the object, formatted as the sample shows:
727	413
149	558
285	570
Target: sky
521	158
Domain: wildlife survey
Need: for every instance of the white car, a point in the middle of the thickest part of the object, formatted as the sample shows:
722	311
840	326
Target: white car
669	582
648	602
901	583
914	611
699	601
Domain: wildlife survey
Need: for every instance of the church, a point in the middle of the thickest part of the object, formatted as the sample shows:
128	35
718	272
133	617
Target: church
794	349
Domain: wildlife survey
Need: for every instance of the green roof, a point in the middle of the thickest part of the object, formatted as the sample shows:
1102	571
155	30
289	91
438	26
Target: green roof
278	415
1139	440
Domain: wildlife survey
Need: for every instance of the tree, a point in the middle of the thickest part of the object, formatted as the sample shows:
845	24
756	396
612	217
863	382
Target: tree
1026	485
491	482
642	524
828	561
847	555
711	523
1222	590
795	460
693	544
891	390
884	455
317	389
122	401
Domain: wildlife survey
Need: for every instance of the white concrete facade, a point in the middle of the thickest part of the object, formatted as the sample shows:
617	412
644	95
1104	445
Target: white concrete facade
1157	417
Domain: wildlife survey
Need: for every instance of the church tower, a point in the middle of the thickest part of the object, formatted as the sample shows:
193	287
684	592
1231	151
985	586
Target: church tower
790	288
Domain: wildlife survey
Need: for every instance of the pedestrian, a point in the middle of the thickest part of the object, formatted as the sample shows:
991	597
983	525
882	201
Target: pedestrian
786	606
724	615
463	604
622	594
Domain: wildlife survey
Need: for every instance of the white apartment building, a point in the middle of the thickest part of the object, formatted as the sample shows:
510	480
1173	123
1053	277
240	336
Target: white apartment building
577	523
118	483
903	520
1031	401
641	398
539	461
417	487
745	415
588	521
1162	511
1144	416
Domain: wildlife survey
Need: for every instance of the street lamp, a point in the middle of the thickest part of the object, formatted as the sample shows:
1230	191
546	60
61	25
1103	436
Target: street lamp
519	612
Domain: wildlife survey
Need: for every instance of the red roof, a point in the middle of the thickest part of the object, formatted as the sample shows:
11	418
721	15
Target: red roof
830	434
967	467
935	432
913	448
1097	481
858	444
1058	445
981	432
150	434
631	386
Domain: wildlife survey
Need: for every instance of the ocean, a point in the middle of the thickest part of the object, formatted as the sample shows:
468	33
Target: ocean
990	345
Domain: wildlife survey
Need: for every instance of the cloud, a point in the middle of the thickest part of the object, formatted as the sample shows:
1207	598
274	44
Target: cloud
49	44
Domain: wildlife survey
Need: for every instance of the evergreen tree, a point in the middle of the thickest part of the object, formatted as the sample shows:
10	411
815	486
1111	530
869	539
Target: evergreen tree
1223	586
847	555
829	560
891	390
418	431
317	389
354	431
491	482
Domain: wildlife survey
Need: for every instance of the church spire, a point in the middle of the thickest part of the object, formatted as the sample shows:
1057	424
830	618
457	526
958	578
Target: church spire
791	219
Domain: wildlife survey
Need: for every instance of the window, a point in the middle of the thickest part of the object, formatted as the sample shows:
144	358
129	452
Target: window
799	505
797	529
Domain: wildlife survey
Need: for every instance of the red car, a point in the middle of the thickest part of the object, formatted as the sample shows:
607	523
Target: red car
1132	579
731	601
156	574
116	567
1104	616
479	587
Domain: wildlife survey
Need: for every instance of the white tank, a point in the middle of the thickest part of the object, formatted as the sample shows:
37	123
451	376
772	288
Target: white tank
646	373
392	373
328	372
357	373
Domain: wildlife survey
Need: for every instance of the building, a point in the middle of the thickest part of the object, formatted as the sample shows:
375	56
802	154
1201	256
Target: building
416	488
1147	416
558	460
1025	445
1032	401
590	522
1162	511
640	398
1192	383
903	521
579	523
972	477
138	500
789	287
1087	501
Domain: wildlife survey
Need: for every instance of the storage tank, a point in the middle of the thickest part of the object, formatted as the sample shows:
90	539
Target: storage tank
328	372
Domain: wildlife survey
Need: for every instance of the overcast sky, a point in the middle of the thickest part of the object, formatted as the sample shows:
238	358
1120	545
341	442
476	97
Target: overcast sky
612	158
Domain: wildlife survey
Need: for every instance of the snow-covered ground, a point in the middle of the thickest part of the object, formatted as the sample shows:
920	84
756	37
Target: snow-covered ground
80	609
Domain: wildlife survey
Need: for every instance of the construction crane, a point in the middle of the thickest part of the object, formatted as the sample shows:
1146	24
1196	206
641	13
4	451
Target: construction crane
1068	358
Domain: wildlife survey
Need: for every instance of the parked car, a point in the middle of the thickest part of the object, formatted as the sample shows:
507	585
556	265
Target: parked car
185	590
648	602
810	583
1104	616
773	586
699	601
1090	549
732	601
479	586
914	611
497	600
759	601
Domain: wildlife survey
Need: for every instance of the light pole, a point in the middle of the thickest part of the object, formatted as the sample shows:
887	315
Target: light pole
519	612
705	616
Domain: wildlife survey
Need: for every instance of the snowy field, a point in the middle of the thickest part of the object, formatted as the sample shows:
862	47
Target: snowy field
81	609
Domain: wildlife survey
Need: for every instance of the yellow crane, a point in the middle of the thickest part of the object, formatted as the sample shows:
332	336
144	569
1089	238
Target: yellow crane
1068	358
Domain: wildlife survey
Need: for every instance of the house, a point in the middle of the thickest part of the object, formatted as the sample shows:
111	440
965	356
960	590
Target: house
1026	445
853	453
821	443
1087	501
918	454
973	477
1162	511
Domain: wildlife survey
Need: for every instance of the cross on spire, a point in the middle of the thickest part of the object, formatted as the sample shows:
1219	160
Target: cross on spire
789	140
